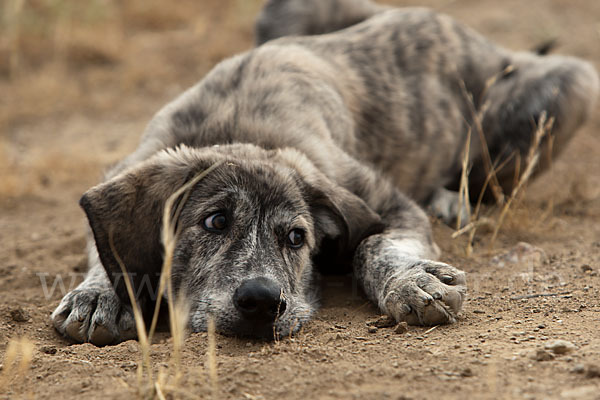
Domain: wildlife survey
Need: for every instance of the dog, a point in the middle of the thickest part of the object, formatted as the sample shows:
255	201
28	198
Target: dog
318	154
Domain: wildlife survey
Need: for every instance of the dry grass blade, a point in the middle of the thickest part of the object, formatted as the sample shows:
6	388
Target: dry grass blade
178	324
550	206
477	122
543	128
212	357
477	116
139	320
476	219
178	311
11	372
472	226
433	328
12	11
491	170
281	300
169	238
463	193
159	392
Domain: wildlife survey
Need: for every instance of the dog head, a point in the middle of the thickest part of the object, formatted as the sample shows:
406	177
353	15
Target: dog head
247	233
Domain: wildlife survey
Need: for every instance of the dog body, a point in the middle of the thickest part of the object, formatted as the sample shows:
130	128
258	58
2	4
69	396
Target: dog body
315	139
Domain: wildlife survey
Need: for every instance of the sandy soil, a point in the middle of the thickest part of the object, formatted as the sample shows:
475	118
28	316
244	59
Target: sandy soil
69	112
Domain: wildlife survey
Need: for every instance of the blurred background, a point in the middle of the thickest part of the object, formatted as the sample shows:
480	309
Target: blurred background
67	64
81	75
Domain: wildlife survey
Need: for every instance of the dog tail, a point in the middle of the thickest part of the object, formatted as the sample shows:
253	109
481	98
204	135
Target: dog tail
546	47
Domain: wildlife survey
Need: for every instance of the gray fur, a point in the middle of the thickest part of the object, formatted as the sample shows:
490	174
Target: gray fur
322	133
311	17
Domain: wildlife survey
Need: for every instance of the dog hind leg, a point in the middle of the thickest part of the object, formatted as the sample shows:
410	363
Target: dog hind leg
563	88
310	17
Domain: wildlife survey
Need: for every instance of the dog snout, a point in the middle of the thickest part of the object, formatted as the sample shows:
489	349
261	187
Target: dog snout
259	299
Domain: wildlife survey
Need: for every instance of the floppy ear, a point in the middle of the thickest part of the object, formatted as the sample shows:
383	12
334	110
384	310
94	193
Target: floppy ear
341	218
127	210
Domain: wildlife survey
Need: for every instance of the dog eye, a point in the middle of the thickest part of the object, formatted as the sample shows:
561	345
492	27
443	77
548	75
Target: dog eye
216	222
296	238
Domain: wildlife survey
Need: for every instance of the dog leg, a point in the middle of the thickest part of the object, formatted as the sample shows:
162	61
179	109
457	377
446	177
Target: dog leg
310	17
564	88
93	312
445	204
396	268
397	273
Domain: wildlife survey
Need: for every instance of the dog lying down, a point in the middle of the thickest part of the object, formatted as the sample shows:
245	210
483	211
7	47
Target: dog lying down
323	146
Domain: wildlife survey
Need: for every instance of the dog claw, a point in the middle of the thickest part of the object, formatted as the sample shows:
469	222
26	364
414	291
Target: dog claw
90	315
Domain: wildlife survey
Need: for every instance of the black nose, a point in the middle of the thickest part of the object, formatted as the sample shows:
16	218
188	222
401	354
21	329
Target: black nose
259	299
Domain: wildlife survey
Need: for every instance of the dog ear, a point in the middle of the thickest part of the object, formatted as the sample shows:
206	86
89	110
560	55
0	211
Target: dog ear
341	218
127	210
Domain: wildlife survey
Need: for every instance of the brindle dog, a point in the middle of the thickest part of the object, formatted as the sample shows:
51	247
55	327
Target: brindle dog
316	138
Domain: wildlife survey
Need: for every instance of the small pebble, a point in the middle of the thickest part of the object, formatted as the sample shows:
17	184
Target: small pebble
48	349
593	371
372	329
542	355
19	315
586	268
560	347
383	321
133	346
578	369
402	327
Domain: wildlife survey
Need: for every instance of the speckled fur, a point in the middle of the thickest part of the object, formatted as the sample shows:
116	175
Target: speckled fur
325	133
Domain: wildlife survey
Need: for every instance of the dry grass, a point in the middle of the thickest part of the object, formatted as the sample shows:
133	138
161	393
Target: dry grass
25	176
103	59
497	215
16	363
533	155
211	355
503	201
145	363
55	53
463	193
166	383
59	57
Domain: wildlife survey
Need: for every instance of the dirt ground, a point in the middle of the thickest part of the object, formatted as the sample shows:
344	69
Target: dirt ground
79	80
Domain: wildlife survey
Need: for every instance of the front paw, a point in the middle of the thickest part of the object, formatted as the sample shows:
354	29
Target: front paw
94	315
428	293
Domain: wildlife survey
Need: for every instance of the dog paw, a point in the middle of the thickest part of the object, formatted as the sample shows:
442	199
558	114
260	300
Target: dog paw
94	315
446	205
428	293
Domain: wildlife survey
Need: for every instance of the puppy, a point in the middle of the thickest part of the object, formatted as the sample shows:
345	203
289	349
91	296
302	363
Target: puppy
313	142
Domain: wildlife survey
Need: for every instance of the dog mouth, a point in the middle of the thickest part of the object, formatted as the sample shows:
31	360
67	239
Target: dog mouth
259	303
229	322
247	329
259	307
278	329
